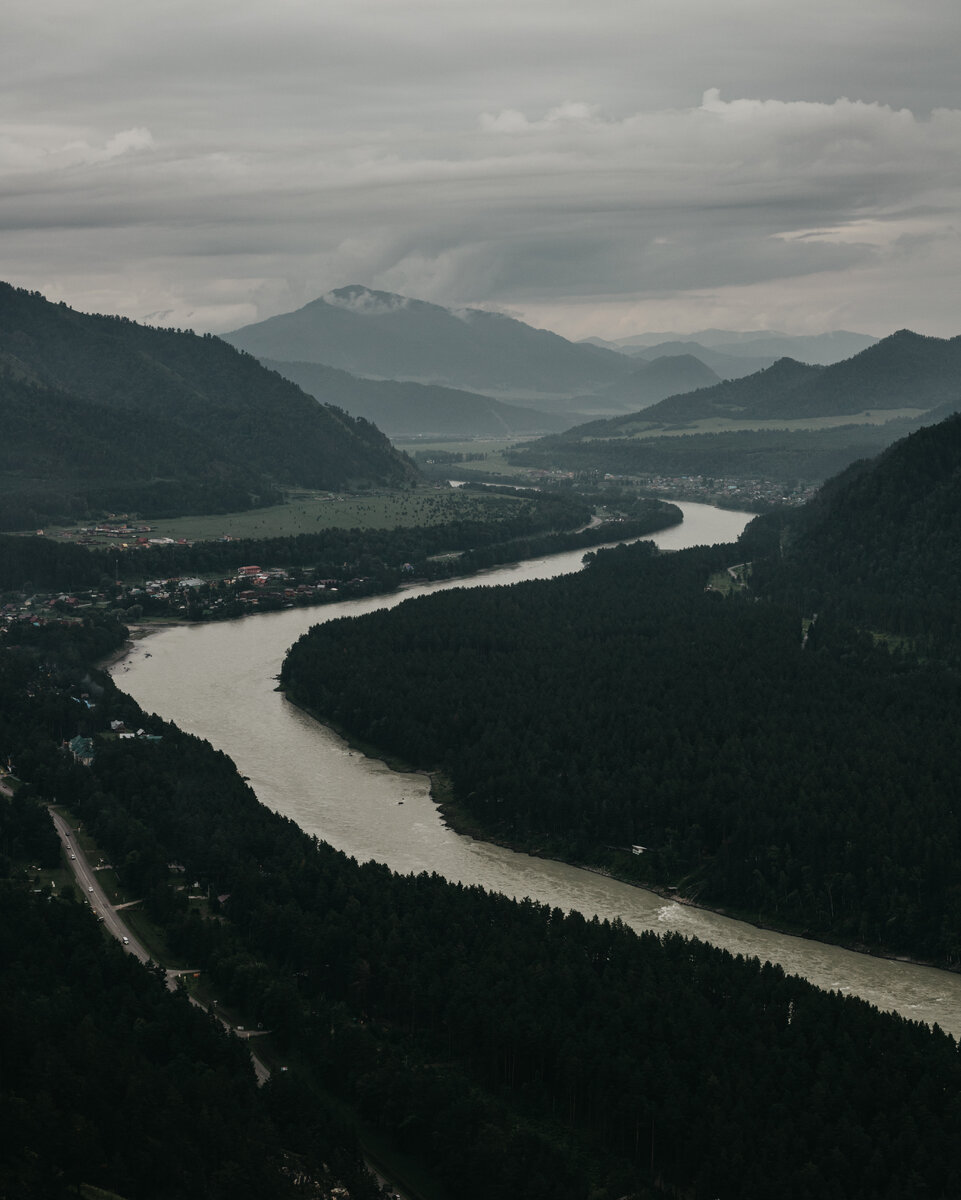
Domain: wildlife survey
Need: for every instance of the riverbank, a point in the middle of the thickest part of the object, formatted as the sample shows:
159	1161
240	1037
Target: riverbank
136	633
460	822
218	680
455	817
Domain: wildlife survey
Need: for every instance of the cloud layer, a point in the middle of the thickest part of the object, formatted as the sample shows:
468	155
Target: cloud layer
599	170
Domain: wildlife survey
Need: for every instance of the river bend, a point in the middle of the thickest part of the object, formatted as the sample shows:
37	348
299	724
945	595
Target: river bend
217	680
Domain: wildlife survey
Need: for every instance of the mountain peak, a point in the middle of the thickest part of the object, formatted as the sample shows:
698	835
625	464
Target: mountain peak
381	335
364	301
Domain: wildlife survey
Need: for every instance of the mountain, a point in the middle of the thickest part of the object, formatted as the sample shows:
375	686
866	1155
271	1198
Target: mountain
822	348
100	412
403	409
381	335
868	401
740	399
722	362
905	370
881	543
664	376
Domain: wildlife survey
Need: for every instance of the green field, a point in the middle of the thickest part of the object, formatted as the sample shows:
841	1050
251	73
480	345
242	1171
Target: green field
311	512
800	424
494	461
488	446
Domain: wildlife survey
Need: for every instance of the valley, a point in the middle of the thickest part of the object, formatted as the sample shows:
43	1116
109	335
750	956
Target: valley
765	756
330	789
480	594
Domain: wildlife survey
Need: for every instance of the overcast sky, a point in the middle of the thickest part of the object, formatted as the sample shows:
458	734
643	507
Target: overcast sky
605	167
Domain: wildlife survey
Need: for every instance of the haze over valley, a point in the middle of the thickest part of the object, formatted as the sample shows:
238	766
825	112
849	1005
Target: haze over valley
480	656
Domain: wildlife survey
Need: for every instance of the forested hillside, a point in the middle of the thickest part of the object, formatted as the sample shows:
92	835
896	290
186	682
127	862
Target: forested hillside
64	458
768	756
522	1054
802	780
914	379
903	370
101	412
109	1079
880	544
777	454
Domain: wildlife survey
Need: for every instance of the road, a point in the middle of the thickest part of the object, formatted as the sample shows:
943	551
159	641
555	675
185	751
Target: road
93	892
113	922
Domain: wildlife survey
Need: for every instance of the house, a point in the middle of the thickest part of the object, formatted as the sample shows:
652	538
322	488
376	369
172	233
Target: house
82	750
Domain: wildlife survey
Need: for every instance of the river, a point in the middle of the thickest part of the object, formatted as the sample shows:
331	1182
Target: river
217	680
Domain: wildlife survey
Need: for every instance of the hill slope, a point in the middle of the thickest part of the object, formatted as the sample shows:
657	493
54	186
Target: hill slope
798	773
881	543
401	408
384	336
103	412
739	428
664	376
903	370
724	363
823	348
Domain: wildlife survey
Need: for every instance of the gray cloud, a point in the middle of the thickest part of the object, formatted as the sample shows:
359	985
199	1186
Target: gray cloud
671	165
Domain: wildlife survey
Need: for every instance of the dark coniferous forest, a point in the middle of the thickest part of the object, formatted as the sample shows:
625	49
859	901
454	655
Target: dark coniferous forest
102	413
773	750
880	545
786	749
520	1053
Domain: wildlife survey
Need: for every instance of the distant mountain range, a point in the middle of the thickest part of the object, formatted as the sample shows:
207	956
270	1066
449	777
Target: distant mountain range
840	413
404	409
724	363
102	413
374	335
904	371
380	335
821	348
660	378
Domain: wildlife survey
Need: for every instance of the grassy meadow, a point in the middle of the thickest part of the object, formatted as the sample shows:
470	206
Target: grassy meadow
799	424
311	512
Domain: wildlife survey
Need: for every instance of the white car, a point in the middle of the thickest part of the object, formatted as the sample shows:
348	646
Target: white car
126	941
73	856
89	889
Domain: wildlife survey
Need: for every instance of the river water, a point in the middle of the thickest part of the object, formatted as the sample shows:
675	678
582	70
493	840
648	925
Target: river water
217	680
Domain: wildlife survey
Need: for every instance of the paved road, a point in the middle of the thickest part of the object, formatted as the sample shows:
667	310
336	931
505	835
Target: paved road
92	891
95	895
113	922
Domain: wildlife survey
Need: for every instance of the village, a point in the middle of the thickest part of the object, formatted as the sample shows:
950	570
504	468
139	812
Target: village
251	589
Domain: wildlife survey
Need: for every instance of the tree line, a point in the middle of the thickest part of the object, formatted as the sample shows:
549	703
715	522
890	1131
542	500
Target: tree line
798	774
523	1053
508	532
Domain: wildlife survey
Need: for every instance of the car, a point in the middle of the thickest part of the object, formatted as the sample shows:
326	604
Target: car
126	941
89	889
73	856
